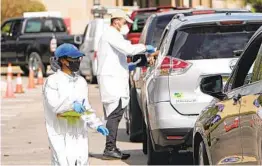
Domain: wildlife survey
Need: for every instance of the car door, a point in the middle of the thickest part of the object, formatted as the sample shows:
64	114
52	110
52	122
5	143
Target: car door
245	93
251	114
6	36
14	45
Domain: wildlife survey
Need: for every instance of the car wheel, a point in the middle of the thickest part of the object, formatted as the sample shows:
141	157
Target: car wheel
35	62
202	154
155	158
135	115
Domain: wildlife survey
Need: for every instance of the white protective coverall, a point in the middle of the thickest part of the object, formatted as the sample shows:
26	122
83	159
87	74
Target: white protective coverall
113	73
68	142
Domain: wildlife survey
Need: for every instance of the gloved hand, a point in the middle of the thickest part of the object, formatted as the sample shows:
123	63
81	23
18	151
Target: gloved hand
150	49
131	67
103	130
78	107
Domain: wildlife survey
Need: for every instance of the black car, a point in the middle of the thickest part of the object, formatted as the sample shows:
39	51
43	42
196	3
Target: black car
26	41
229	130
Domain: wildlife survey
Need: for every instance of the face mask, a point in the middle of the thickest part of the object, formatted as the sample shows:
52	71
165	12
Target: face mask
124	30
74	65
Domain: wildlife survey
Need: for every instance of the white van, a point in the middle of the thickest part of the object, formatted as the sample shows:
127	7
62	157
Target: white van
92	35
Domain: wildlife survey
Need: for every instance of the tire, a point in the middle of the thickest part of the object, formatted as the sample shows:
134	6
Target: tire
135	115
202	154
155	158
34	62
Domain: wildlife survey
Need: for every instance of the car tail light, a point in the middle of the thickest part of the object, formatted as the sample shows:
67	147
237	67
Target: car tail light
95	54
203	12
231	22
173	65
174	137
144	69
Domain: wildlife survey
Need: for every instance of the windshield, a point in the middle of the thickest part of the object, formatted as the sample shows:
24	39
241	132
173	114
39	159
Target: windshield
211	42
139	22
158	29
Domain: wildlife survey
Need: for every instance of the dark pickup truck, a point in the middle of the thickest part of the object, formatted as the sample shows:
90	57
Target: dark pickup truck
26	42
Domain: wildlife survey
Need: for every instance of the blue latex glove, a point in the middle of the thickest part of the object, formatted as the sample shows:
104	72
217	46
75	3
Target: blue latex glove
78	107
150	49
131	67
103	130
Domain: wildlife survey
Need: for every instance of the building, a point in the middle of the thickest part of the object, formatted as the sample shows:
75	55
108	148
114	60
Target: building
77	13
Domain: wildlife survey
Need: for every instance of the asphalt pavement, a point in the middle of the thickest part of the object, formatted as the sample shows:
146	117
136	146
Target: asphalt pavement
24	139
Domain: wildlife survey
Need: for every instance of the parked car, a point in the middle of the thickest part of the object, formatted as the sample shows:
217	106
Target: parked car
229	131
140	16
192	47
92	35
26	41
151	35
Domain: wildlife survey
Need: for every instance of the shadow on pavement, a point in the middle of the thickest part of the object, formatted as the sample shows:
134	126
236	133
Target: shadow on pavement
136	157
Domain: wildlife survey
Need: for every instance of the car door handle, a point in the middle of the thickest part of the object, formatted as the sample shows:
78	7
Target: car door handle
237	98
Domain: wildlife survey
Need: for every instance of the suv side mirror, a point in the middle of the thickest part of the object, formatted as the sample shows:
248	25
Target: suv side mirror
78	39
143	60
237	53
213	86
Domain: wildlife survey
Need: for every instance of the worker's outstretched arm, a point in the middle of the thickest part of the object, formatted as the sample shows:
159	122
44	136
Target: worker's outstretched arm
55	102
126	47
91	120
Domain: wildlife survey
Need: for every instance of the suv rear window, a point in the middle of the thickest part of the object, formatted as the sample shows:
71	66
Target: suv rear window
139	22
158	29
44	25
211	42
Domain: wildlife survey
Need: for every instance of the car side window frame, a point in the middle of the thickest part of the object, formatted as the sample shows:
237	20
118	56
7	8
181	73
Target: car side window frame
19	29
7	22
237	79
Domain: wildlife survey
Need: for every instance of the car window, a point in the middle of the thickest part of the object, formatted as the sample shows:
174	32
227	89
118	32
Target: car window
248	68
139	22
211	42
5	29
16	28
59	25
48	26
146	30
158	29
33	26
257	69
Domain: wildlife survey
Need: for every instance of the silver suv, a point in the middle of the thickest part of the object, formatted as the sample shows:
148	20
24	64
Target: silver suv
191	48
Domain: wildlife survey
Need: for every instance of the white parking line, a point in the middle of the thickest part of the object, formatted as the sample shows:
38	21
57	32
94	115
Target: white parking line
8	115
17	100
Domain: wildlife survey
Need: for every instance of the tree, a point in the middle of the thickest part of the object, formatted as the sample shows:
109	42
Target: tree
16	8
256	4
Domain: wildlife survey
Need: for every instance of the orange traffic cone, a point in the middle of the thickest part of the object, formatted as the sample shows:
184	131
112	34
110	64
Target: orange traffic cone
19	85
31	81
9	71
9	89
40	79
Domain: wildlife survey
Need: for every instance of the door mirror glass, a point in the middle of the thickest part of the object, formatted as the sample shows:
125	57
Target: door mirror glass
78	39
142	62
212	85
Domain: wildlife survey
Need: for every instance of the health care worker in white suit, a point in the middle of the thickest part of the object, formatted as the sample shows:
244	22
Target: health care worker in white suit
63	91
113	75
